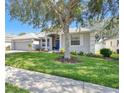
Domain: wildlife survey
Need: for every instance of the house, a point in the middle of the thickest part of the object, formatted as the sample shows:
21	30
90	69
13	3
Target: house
25	42
8	38
110	42
99	45
80	40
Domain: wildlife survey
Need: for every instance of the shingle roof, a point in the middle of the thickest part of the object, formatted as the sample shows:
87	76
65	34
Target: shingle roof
111	37
27	36
71	30
41	34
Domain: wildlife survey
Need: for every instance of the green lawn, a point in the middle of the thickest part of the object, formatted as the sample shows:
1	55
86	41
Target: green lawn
89	69
115	56
9	88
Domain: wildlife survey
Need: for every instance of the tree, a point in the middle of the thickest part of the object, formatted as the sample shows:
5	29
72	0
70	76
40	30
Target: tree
109	29
22	34
108	15
49	14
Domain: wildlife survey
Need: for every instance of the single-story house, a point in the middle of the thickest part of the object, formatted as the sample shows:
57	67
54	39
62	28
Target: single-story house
111	43
80	40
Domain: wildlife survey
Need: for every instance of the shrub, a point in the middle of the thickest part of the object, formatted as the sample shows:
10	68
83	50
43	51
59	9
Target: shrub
37	49
74	52
89	54
30	45
81	53
62	50
106	52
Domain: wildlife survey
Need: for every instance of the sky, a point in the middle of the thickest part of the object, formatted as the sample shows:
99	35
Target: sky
15	27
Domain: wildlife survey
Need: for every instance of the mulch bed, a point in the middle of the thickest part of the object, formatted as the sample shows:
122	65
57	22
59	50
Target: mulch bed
73	60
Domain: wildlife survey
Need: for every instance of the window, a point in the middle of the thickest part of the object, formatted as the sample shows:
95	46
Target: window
111	43
43	45
75	40
43	40
117	43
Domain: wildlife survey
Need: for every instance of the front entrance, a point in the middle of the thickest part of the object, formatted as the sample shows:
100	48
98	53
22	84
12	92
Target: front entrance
56	44
55	41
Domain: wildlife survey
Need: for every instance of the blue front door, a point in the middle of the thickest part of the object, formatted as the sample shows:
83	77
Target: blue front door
57	44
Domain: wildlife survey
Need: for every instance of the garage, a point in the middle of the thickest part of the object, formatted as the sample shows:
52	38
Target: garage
23	45
25	42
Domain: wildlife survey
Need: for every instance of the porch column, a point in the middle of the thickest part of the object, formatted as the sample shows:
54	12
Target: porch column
92	43
12	45
32	45
50	43
60	41
40	44
46	43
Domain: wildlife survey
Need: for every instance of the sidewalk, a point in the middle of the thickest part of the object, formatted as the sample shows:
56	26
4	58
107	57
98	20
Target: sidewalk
43	83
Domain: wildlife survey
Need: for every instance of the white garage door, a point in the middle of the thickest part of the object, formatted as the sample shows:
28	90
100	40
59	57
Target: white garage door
22	45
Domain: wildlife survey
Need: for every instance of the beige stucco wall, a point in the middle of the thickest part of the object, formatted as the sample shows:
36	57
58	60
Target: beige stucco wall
114	46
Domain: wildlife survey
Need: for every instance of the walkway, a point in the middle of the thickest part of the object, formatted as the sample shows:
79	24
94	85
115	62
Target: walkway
43	83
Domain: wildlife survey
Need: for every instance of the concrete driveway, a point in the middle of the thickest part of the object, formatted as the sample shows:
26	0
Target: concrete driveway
15	51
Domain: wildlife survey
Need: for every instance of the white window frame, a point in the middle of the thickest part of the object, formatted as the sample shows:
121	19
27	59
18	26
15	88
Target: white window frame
75	40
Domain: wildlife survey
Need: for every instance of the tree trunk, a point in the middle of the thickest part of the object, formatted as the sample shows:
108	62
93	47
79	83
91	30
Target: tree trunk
67	43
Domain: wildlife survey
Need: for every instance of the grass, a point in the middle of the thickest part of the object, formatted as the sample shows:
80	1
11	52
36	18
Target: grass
9	88
89	69
115	56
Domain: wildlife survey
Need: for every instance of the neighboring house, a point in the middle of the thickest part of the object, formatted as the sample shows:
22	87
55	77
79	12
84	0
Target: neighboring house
8	39
80	40
25	42
111	43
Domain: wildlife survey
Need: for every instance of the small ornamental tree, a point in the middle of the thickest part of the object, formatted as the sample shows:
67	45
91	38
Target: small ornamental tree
54	14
